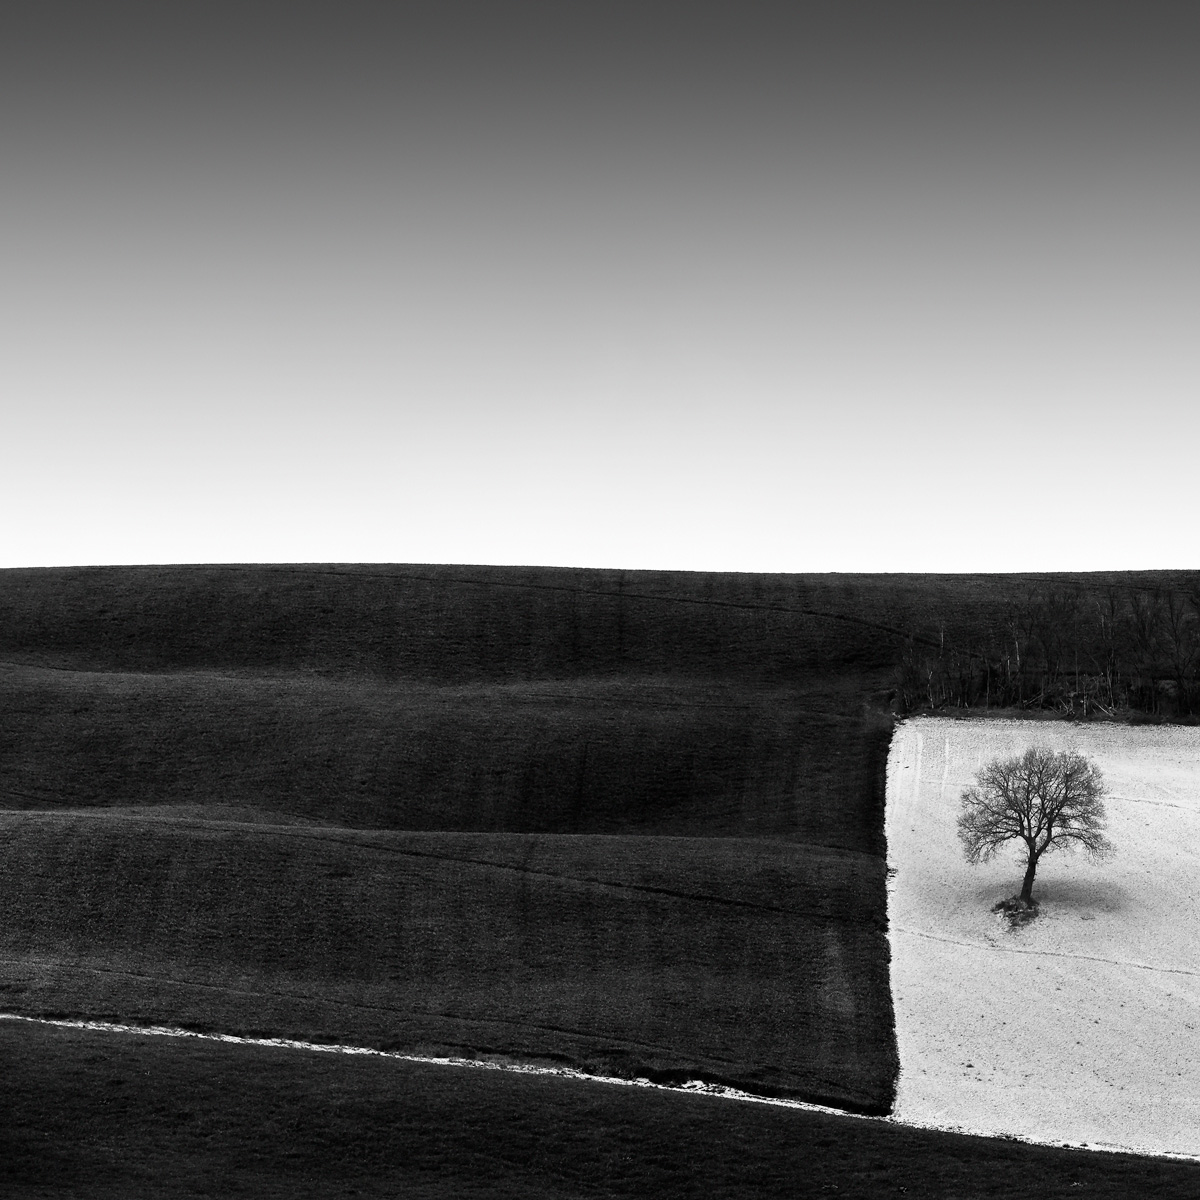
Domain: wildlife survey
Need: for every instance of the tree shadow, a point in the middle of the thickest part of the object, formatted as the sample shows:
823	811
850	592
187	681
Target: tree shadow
1072	895
1069	897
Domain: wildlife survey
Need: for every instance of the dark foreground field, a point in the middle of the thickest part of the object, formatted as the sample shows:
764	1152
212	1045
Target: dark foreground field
625	821
103	1115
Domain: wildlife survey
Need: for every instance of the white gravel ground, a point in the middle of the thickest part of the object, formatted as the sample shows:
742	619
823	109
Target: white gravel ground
1083	1027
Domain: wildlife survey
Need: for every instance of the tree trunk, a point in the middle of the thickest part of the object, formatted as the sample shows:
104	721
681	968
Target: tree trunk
1027	886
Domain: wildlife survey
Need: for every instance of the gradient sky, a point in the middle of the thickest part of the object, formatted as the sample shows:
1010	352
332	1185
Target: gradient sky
770	287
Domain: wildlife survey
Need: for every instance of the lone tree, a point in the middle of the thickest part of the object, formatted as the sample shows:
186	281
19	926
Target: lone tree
1048	801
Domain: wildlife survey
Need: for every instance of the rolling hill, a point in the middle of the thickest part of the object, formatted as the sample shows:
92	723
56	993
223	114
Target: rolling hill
631	822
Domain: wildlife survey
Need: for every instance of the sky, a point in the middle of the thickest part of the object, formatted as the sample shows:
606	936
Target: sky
747	286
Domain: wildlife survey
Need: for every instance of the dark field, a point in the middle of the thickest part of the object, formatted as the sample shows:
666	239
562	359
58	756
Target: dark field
723	916
625	821
744	961
451	623
102	1115
677	756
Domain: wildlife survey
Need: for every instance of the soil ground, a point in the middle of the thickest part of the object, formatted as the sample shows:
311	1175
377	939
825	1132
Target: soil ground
99	1115
1083	1025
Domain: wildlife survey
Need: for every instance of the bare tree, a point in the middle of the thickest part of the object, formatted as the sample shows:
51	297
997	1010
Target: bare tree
1048	801
1107	647
1144	633
1181	645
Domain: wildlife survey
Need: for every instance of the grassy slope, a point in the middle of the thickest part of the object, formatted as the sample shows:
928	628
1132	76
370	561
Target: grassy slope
503	703
97	1115
446	624
756	961
450	623
639	755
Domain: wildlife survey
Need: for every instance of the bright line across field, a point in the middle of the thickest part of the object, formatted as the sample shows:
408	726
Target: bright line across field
693	1087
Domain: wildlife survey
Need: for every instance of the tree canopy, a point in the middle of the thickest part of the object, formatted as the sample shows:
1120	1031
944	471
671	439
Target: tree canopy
1049	801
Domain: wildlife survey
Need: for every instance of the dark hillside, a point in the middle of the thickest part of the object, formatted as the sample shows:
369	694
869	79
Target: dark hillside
96	1115
447	623
347	772
609	755
706	732
453	624
756	961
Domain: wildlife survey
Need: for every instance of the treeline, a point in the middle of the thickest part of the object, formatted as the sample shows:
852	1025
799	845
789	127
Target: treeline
1067	647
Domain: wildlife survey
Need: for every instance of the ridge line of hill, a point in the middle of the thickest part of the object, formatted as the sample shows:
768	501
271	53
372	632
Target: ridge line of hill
626	595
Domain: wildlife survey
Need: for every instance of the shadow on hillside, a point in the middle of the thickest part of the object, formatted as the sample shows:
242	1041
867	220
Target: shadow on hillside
1072	895
1069	894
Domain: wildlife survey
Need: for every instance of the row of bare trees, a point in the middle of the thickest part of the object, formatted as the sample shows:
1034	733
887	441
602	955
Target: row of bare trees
1069	648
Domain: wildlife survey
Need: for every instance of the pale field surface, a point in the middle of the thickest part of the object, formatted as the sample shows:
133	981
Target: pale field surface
1084	1026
